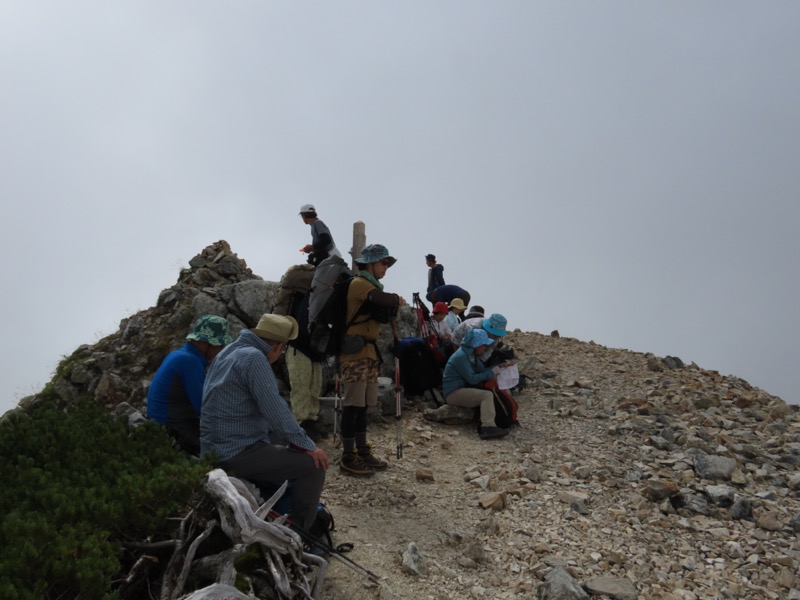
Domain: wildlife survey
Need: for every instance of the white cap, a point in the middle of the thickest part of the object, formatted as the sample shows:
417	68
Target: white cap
307	208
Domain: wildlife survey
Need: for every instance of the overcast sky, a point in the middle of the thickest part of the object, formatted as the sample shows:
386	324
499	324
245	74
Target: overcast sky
624	172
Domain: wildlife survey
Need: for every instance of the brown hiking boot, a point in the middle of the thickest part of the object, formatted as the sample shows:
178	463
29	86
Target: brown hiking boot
353	465
370	460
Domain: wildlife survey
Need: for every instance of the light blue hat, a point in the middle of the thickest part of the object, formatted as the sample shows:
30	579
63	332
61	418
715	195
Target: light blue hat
373	253
496	325
477	337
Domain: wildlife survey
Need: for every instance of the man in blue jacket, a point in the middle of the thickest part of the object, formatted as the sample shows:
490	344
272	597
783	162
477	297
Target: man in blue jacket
463	371
176	391
447	293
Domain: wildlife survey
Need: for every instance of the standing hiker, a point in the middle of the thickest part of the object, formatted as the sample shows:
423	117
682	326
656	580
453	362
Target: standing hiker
175	394
250	427
367	307
305	376
435	273
322	245
463	371
303	365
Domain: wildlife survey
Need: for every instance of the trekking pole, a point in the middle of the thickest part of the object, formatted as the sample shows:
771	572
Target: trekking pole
423	325
335	552
398	401
426	329
337	411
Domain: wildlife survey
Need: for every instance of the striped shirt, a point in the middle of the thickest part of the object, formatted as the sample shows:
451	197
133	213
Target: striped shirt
241	403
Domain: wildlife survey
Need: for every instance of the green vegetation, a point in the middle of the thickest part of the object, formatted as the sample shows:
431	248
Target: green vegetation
78	488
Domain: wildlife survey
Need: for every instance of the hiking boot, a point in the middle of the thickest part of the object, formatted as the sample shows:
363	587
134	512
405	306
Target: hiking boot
492	433
369	460
353	465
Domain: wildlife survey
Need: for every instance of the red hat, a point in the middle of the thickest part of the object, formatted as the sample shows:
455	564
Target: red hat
440	307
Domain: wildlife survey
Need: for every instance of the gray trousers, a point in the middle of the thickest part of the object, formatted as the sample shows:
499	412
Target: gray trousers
472	397
268	465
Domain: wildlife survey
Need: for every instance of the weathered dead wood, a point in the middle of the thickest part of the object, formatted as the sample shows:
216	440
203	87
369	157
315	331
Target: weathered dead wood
168	589
218	591
187	561
286	562
220	566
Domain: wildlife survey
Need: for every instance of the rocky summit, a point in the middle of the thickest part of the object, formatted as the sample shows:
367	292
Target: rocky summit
630	475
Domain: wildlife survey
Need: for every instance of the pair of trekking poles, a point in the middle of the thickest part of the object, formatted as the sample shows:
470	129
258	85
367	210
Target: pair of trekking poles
337	552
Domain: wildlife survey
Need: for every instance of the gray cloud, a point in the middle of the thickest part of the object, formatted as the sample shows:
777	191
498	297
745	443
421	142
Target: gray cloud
622	172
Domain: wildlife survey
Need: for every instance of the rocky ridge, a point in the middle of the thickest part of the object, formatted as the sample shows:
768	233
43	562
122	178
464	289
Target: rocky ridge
631	476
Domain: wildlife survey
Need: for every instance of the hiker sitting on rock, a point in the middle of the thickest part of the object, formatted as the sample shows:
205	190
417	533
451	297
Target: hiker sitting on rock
463	371
440	326
475	310
176	392
322	245
367	307
250	427
442	329
455	310
494	325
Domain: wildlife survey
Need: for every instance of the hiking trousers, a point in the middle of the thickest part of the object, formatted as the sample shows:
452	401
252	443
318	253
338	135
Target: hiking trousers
305	379
473	397
268	466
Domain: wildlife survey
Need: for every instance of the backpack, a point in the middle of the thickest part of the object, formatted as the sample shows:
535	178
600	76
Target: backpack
328	327
505	406
330	271
327	309
323	525
298	308
321	529
297	278
419	371
292	300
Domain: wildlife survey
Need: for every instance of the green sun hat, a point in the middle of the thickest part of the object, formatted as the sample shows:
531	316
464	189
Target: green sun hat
211	329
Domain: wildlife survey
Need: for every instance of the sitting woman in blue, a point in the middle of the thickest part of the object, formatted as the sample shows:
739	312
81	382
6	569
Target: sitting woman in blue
463	371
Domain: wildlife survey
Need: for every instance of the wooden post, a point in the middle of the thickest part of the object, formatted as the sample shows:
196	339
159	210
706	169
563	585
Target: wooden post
359	241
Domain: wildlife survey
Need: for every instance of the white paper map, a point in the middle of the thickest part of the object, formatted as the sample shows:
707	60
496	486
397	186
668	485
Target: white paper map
508	377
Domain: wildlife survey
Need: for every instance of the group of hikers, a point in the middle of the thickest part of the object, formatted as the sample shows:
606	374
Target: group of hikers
220	395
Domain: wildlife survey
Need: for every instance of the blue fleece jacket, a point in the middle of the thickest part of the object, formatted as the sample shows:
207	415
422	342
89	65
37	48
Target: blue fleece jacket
464	369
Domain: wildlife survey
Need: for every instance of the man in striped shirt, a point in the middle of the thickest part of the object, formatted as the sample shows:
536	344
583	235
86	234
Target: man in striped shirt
250	427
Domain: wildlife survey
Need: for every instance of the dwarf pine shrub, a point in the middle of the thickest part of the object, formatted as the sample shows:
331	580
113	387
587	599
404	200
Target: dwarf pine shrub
76	486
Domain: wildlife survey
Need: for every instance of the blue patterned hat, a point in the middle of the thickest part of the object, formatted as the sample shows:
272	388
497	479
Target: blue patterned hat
496	325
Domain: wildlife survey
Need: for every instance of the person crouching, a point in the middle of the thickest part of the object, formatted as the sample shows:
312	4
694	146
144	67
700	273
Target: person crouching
463	371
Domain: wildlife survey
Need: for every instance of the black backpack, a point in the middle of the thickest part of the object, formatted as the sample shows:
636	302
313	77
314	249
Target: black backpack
419	370
505	408
328	327
298	308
